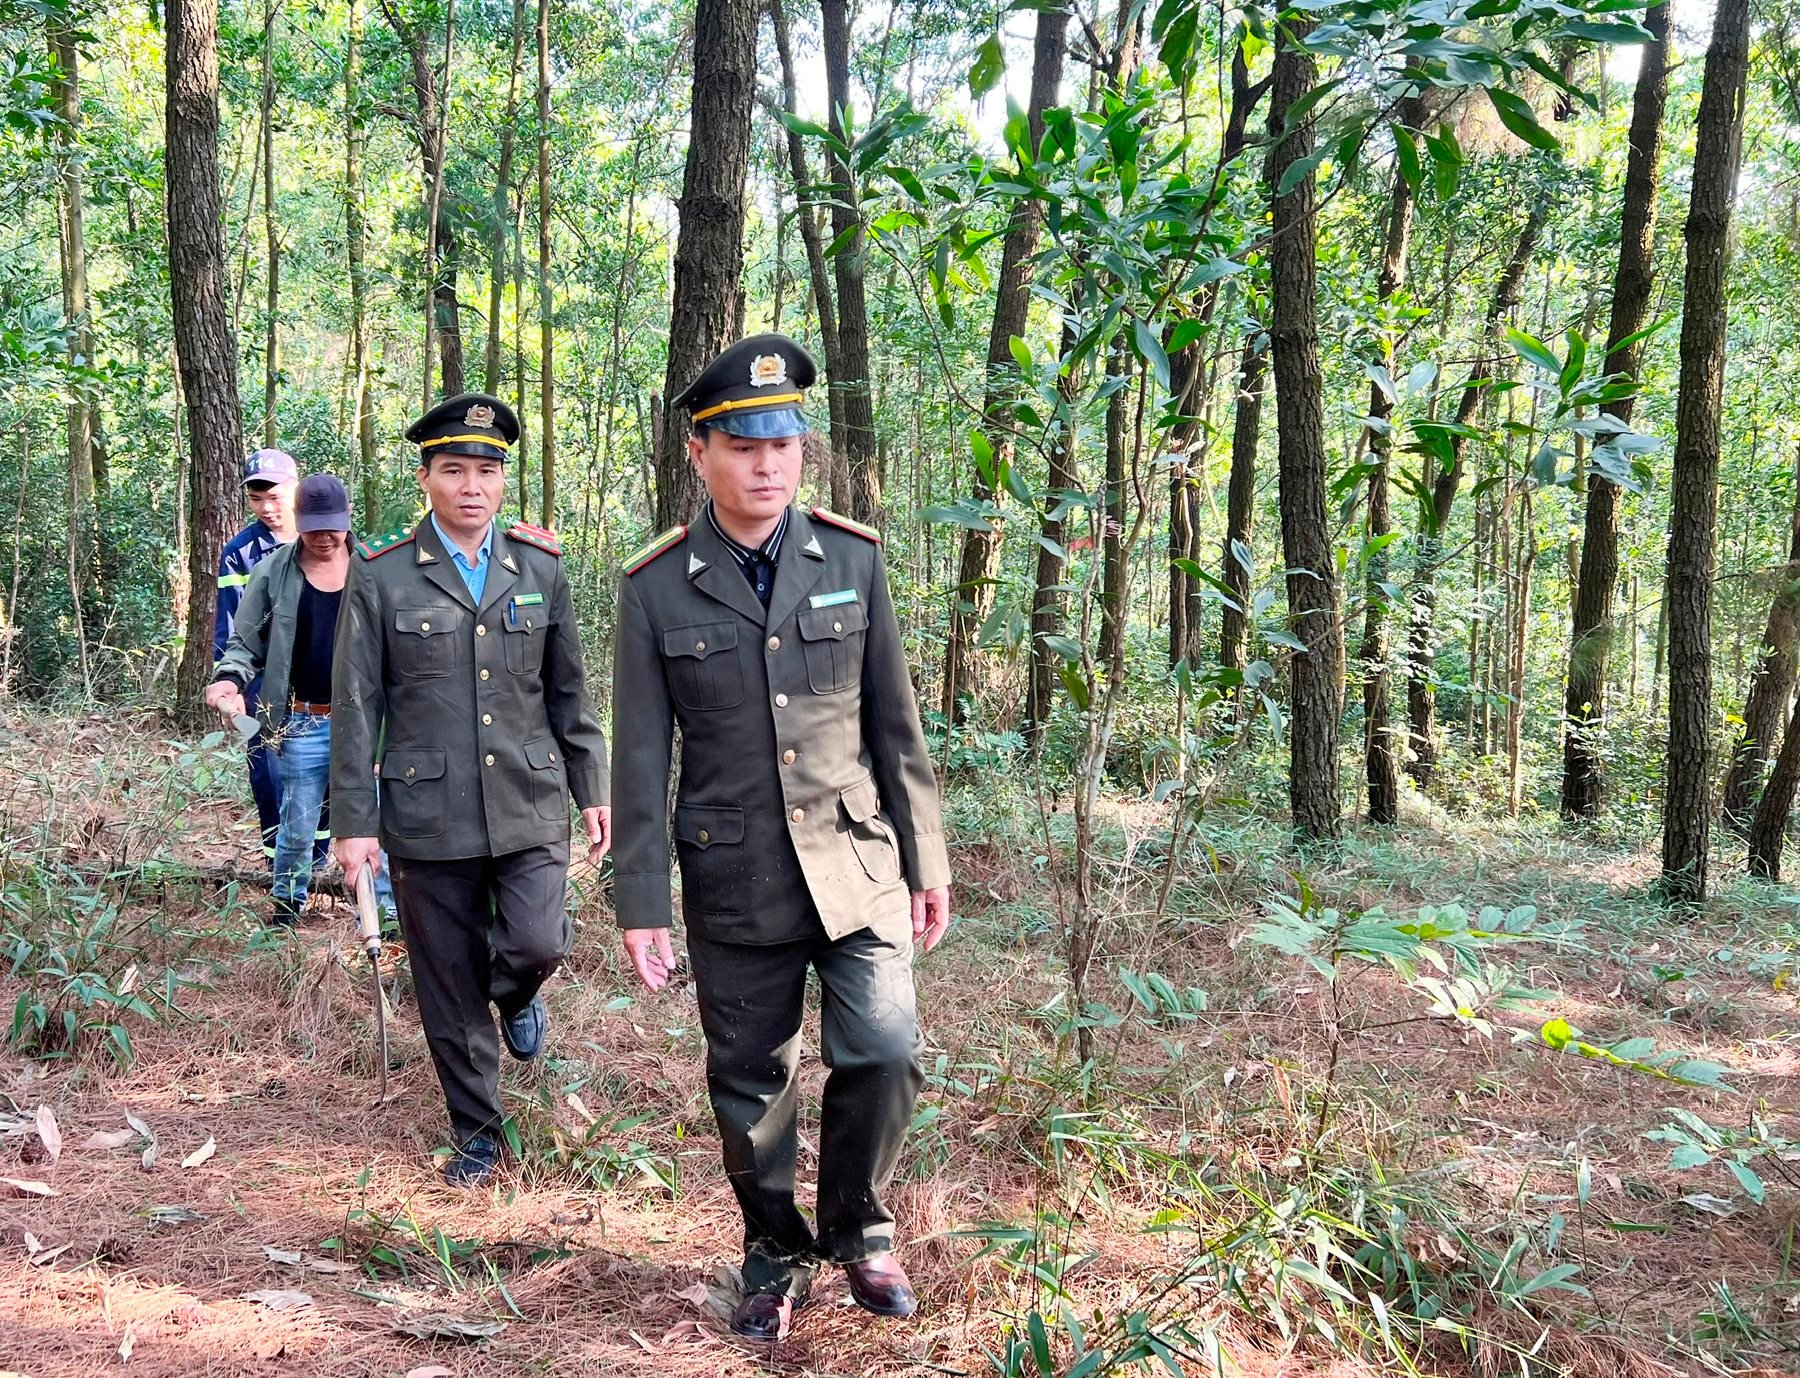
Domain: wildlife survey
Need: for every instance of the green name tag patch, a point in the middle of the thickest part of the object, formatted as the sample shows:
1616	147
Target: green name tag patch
831	600
528	600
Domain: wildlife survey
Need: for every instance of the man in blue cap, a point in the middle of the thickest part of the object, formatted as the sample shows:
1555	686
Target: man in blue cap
270	479
806	825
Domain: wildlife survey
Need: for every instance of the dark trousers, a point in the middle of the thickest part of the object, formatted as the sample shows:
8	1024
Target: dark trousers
752	1001
487	930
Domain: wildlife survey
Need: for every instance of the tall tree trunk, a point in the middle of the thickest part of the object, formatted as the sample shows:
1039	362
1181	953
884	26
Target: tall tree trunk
1520	594
1421	691
271	237
449	308
806	214
980	556
71	203
1771	683
1693	520
709	254
356	237
1381	761
1584	786
492	379
521	452
546	308
1300	431
1112	511
203	339
850	265
1768	831
1047	599
1240	505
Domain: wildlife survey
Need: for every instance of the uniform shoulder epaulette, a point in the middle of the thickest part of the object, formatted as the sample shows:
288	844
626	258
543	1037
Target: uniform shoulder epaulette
661	545
380	545
541	537
868	533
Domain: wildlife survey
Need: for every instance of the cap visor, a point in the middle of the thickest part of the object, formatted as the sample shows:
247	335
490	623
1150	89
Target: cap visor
761	425
322	521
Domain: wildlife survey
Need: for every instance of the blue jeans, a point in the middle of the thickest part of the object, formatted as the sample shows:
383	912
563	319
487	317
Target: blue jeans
304	751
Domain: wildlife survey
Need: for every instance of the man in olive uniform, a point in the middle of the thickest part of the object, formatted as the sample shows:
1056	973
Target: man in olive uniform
458	672
807	827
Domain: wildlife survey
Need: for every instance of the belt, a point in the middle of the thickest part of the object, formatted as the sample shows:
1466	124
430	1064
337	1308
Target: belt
312	710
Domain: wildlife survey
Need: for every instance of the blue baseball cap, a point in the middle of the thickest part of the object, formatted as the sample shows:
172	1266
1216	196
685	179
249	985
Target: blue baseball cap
271	467
321	504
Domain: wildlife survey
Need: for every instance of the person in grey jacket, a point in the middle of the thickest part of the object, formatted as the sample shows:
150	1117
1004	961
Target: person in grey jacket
285	633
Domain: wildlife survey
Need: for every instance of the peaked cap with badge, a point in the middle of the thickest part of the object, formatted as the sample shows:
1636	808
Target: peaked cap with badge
755	389
470	424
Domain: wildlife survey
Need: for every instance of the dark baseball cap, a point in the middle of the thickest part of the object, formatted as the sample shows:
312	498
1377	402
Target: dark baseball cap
321	504
270	467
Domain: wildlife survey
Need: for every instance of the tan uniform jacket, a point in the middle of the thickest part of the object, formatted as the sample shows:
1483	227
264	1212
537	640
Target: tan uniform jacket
805	780
487	724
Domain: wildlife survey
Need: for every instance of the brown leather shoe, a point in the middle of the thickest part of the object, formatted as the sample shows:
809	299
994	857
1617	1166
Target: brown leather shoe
880	1284
764	1316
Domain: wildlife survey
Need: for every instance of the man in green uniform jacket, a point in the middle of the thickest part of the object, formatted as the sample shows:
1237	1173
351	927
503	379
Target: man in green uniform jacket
458	668
806	824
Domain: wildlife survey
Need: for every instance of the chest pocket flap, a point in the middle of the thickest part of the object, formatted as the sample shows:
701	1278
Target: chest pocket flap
835	623
426	622
702	664
700	642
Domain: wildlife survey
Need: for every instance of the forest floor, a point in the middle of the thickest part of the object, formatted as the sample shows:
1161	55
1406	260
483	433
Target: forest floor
287	1224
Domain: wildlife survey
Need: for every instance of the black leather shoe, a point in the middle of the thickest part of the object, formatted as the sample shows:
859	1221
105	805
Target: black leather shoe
474	1164
764	1316
880	1284
524	1032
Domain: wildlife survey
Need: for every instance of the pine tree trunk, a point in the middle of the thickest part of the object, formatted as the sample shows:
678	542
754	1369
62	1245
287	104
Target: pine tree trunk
1047	600
356	237
500	216
71	205
546	306
1112	511
1584	787
1693	522
980	556
1240	504
1768	830
1516	647
1771	683
1381	761
203	339
271	238
1300	431
709	253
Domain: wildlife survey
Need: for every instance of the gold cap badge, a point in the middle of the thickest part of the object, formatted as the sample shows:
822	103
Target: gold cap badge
479	415
766	370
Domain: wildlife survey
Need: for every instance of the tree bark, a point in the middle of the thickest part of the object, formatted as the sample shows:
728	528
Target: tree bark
1771	684
1047	600
203	339
1768	831
1693	521
980	556
709	252
1112	511
271	237
850	264
501	217
1381	761
546	307
1584	786
356	237
71	204
1300	429
1421	693
1240	504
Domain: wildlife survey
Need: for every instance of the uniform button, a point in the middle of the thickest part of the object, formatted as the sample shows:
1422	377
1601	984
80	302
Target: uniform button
480	629
699	645
799	815
705	837
411	771
774	643
787	757
424	626
490	758
484	674
487	719
837	626
552	755
781	700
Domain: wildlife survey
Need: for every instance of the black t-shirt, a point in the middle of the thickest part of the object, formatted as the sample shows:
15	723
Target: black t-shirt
315	633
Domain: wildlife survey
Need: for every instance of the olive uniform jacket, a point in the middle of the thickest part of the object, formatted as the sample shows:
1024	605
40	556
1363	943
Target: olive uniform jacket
262	635
806	787
478	716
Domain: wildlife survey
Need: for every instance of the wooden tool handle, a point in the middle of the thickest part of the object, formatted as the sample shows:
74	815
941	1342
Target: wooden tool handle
368	916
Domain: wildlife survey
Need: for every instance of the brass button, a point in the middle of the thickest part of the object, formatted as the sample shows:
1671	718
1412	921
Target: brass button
484	674
799	815
487	719
781	700
552	755
490	758
411	771
424	626
788	756
480	629
774	643
699	645
705	837
837	626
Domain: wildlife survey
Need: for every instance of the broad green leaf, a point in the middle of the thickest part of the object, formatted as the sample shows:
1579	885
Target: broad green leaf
1406	158
988	68
1534	351
1516	114
1150	349
1748	1180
